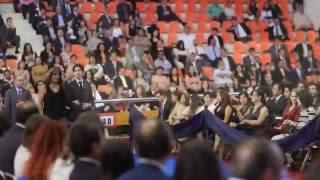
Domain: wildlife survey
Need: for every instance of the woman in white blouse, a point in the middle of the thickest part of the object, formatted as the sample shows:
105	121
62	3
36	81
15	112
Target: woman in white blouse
116	29
222	77
95	68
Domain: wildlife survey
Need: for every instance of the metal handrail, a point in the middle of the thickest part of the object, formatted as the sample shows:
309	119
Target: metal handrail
147	99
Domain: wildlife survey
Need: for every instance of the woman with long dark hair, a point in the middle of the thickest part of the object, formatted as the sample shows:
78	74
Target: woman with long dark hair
46	148
101	54
47	55
28	55
55	98
245	105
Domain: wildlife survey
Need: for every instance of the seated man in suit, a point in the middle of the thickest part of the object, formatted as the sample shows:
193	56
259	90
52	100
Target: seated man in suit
277	30
165	105
105	19
297	74
302	49
110	42
123	80
67	9
275	48
15	96
228	61
35	11
60	42
251	60
11	37
48	32
59	20
281	72
85	143
79	94
152	141
278	101
213	51
309	64
165	13
13	138
112	66
217	37
241	31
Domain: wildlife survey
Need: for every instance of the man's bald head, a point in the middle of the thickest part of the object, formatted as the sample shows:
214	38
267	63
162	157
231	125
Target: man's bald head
152	139
258	159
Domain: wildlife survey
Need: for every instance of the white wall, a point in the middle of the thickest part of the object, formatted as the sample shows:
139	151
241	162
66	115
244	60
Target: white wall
312	9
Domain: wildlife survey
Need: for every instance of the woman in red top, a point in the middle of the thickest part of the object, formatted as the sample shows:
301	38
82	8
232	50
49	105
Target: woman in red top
291	113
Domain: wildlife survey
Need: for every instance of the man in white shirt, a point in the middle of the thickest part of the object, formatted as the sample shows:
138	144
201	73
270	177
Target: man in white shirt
163	62
188	39
301	21
241	31
213	51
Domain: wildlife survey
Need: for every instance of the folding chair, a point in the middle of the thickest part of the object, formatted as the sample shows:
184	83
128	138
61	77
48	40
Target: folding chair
208	72
265	46
203	27
239	47
175	27
172	38
312	36
227	37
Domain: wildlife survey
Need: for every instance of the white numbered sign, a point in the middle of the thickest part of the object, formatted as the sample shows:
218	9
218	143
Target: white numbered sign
107	120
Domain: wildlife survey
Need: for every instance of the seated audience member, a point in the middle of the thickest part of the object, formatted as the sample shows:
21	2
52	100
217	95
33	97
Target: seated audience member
116	159
301	21
229	9
213	51
66	54
162	82
163	62
48	32
222	77
39	71
60	42
165	105
165	13
277	103
197	161
59	20
310	64
206	86
50	141
240	30
277	29
11	141
123	80
281	72
22	71
95	68
188	39
28	55
242	77
217	37
216	12
227	60
245	106
105	20
314	92
301	49
252	59
275	48
124	10
48	53
195	107
257	118
111	67
257	159
99	107
23	153
290	116
182	102
180	54
141	40
192	80
111	43
249	15
93	42
266	13
133	55
85	141
10	34
152	142
140	80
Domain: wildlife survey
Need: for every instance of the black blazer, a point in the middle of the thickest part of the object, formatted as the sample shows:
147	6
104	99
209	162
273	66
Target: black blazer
299	50
106	22
160	12
117	82
76	20
276	108
165	111
144	172
58	45
247	62
65	11
123	11
84	170
220	39
278	77
55	21
272	36
244	27
294	78
111	44
109	70
305	64
8	147
275	55
74	92
33	12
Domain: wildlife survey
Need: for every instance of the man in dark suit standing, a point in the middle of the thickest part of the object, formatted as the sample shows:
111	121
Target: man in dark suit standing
123	10
59	20
111	43
14	97
165	13
122	80
79	94
152	141
112	67
302	49
277	30
67	9
274	50
76	17
251	60
13	138
241	31
85	143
